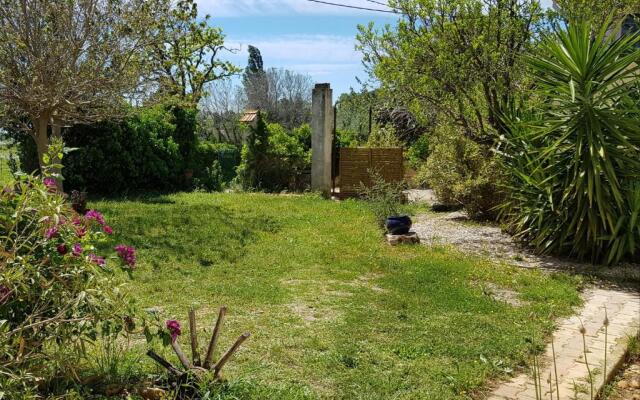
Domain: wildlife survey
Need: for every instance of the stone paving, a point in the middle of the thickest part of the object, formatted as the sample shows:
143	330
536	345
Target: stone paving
623	310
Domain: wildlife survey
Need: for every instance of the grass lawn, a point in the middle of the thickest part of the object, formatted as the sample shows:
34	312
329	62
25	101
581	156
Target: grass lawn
334	312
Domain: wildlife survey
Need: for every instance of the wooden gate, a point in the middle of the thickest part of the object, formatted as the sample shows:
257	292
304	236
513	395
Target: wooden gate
355	164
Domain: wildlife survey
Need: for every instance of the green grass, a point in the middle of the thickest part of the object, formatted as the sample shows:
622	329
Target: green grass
333	311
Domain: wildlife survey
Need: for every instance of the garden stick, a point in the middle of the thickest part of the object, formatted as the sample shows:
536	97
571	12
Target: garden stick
166	364
550	386
193	333
229	353
183	359
214	337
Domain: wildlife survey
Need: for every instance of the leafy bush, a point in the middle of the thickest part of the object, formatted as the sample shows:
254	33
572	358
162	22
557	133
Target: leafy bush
55	292
385	198
149	150
210	179
462	173
573	156
275	159
220	159
418	152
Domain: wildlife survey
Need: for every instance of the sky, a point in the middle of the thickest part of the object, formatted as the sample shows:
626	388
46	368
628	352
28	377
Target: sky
299	35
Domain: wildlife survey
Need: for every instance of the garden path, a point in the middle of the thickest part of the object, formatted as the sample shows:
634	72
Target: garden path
622	307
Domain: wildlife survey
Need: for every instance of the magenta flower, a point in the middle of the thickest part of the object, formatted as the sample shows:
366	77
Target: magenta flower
76	250
51	184
94	214
5	294
96	259
107	229
127	254
77	221
62	249
81	231
51	233
174	329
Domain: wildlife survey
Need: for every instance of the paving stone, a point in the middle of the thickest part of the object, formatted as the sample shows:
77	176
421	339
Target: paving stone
623	310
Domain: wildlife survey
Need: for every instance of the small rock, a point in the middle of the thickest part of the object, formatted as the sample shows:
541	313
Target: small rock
409	238
635	397
635	383
623	384
151	393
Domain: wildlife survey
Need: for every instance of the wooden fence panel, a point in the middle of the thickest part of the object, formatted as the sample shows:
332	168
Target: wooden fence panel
355	164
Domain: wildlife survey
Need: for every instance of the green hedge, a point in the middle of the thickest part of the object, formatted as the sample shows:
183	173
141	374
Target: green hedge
153	149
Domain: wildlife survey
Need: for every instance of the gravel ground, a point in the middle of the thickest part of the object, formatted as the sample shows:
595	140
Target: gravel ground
488	240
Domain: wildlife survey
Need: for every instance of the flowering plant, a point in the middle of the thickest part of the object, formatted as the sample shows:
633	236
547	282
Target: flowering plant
55	289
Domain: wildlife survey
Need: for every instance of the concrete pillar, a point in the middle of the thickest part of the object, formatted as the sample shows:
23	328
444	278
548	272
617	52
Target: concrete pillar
321	138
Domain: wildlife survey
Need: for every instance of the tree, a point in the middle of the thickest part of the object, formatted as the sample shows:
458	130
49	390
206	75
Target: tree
185	55
220	112
68	62
255	80
460	58
288	97
596	11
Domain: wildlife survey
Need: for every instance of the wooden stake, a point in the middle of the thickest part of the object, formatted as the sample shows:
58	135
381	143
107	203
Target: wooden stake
229	353
214	337
193	333
178	350
166	364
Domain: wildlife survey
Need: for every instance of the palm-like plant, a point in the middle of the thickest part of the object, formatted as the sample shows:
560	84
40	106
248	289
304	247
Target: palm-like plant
575	159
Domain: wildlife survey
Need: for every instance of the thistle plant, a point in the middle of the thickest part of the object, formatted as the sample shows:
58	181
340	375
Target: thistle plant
583	332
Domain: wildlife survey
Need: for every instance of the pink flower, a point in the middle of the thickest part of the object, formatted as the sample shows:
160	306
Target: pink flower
51	233
174	329
127	254
107	229
77	221
81	231
51	184
76	250
96	259
94	214
62	249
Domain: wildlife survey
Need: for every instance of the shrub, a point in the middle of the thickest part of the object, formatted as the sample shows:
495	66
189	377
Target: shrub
55	291
149	150
275	159
385	198
210	179
463	173
573	157
418	152
210	157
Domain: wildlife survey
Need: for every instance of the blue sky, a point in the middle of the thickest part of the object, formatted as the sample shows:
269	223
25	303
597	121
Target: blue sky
307	37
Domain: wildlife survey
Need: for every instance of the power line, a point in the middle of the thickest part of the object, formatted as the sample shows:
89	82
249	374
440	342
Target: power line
379	3
354	7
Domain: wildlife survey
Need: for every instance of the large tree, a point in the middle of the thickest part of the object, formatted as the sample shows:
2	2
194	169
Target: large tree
459	58
65	62
186	54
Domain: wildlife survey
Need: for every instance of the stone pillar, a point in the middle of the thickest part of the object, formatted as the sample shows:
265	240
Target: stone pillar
321	138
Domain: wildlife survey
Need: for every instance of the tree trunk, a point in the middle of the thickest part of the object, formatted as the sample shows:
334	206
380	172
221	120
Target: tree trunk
41	138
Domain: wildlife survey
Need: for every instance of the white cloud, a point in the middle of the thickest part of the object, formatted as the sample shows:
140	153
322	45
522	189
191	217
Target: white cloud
239	8
301	49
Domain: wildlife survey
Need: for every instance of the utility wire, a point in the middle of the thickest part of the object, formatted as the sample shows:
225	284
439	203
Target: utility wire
354	7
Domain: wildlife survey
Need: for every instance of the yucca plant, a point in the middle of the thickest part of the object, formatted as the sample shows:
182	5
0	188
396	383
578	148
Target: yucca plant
575	158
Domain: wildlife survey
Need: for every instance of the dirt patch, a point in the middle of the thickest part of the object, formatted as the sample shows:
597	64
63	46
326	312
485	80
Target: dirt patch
311	314
368	281
628	386
502	294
